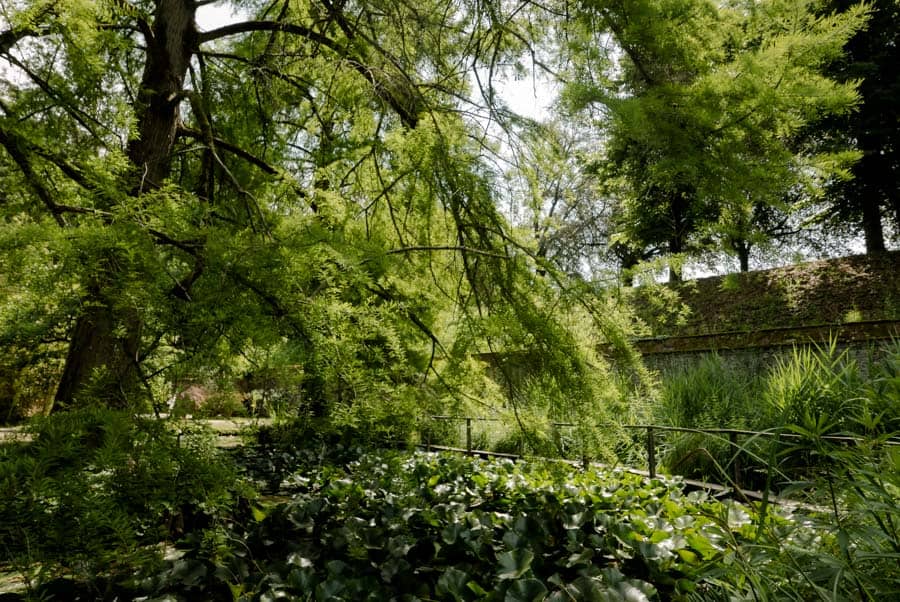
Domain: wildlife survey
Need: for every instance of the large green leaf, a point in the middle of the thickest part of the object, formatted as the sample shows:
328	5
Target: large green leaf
514	564
525	590
453	583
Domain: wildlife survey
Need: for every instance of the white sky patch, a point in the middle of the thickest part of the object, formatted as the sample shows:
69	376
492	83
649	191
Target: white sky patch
218	14
531	96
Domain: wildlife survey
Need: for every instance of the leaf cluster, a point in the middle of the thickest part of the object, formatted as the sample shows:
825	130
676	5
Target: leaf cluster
442	527
701	108
94	492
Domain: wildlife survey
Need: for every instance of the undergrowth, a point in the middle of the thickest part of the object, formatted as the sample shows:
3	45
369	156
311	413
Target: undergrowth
98	492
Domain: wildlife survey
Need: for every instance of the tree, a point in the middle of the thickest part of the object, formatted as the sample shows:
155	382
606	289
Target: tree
871	198
555	198
700	105
301	187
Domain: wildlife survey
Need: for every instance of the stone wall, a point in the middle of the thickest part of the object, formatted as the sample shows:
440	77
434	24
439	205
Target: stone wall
758	350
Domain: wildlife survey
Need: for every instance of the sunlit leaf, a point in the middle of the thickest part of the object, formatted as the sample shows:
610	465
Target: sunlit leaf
514	564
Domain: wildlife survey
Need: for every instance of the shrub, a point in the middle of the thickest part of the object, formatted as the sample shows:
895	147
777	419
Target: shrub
96	489
815	386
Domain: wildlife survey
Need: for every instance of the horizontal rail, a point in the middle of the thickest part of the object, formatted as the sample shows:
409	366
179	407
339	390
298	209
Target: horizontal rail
482	419
745	495
775	434
737	469
682	429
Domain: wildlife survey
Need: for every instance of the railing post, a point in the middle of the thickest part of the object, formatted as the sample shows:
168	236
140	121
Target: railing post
429	423
651	452
736	462
468	435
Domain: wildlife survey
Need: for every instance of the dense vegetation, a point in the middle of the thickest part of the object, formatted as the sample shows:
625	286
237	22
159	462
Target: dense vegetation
352	523
101	505
327	212
305	192
820	293
814	393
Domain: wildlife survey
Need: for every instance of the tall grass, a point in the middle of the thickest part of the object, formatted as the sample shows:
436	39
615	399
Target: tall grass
710	394
814	393
815	387
862	485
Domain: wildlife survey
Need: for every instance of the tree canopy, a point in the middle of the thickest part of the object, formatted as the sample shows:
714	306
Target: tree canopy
870	202
701	106
302	188
315	186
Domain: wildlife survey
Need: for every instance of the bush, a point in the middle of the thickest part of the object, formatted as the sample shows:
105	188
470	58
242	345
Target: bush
96	489
815	393
880	412
814	388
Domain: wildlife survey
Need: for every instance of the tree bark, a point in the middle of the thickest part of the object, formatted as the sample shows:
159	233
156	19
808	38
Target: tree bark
169	51
678	216
744	258
872	227
97	347
99	362
628	260
742	250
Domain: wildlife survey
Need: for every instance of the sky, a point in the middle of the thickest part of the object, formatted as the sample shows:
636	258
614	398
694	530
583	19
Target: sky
211	16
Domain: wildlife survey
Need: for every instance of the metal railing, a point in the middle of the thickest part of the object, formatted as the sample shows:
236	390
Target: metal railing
652	432
468	421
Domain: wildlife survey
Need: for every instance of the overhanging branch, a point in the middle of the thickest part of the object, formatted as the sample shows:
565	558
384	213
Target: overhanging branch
252	26
231	148
461	249
395	93
16	149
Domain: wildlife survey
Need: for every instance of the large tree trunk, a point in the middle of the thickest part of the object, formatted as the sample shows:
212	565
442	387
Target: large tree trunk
628	260
742	250
744	258
872	227
169	52
678	217
100	357
97	346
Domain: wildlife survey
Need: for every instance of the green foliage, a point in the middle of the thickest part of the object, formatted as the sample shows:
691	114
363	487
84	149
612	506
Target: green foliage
710	394
864	485
866	203
441	527
95	491
700	105
881	392
365	525
315	212
815	388
813	392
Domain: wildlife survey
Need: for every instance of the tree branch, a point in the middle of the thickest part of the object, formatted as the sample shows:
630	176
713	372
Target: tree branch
16	150
252	26
10	38
460	248
385	88
231	148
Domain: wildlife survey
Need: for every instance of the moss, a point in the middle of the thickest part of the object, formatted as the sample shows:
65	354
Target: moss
850	289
